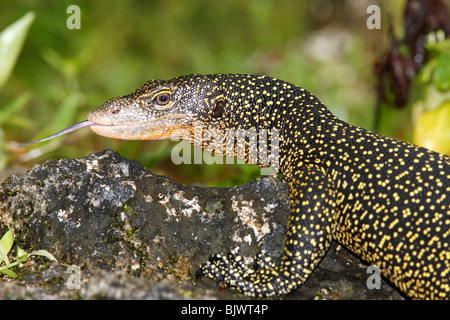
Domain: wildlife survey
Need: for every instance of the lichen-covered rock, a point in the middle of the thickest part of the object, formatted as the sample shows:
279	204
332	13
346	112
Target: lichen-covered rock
107	214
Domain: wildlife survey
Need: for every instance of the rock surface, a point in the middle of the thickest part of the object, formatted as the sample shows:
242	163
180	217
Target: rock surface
122	232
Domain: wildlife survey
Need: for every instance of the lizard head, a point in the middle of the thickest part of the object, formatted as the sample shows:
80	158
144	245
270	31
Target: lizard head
162	109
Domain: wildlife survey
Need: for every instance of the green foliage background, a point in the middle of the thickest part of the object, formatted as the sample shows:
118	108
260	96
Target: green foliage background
61	74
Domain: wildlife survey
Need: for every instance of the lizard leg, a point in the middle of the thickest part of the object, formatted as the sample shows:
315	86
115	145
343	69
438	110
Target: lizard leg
308	238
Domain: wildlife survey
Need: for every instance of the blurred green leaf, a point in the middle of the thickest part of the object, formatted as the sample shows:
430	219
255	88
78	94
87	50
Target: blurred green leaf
12	108
426	73
431	129
442	72
8	272
437	43
3	154
11	42
21	253
6	243
69	67
66	112
43	253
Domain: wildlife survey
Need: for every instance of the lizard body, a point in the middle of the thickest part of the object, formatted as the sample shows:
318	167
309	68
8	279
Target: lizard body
385	200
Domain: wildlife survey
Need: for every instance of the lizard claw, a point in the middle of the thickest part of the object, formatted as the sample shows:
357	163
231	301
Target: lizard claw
198	276
220	284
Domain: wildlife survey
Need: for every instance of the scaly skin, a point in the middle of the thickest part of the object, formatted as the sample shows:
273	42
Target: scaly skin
385	200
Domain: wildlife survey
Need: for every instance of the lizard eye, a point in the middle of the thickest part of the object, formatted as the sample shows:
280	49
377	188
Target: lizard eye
162	99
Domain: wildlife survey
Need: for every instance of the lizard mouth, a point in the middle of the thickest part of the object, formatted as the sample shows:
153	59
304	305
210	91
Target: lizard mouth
164	128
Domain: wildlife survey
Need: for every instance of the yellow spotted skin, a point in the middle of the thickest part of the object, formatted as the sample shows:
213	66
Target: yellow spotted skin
385	200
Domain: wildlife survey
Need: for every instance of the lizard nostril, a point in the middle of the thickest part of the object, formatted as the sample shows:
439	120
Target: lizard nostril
115	108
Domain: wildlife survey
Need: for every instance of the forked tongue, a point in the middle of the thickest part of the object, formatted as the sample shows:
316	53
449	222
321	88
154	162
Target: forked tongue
77	126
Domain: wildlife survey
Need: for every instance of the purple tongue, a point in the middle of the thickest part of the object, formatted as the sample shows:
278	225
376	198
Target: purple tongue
77	126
